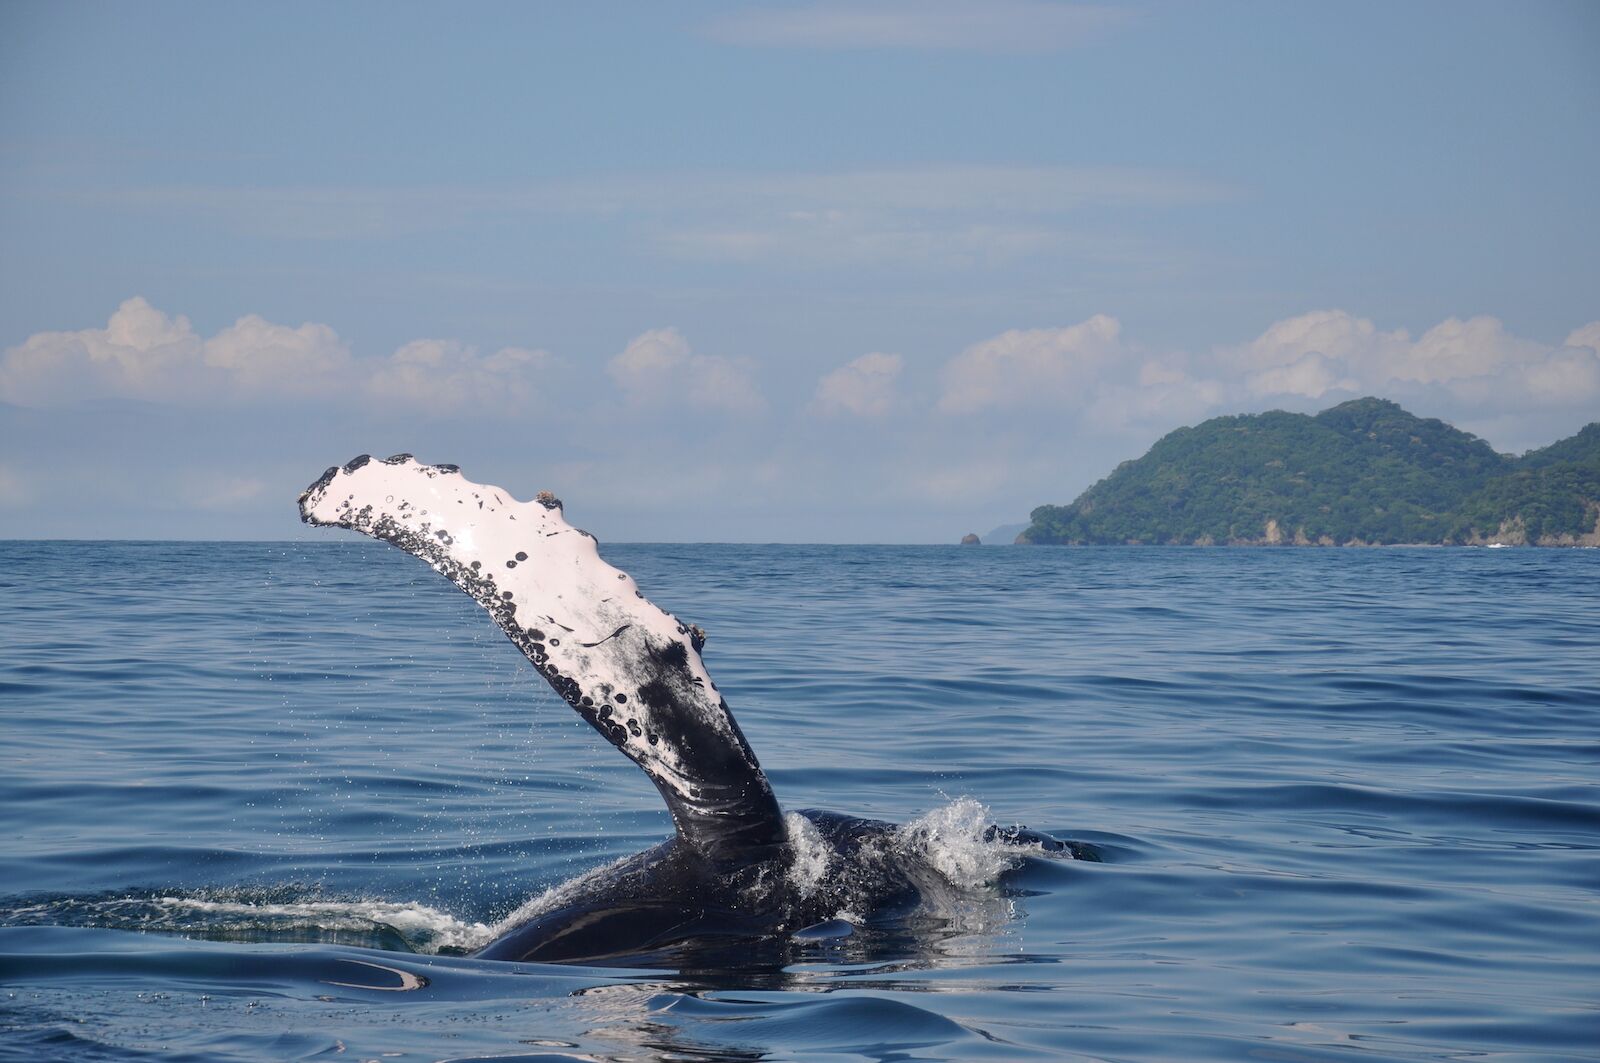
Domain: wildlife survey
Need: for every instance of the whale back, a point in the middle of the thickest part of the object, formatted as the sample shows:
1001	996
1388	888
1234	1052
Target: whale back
629	668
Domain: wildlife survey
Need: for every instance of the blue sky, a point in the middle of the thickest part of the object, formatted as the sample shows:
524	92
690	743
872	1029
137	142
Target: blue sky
804	271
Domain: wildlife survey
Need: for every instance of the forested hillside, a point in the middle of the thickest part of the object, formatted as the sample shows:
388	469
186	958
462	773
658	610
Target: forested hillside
1363	472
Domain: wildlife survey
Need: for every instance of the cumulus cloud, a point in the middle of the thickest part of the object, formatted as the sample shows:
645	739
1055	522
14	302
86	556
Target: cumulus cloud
994	426
658	368
1455	350
1332	333
650	354
1587	336
261	356
1473	371
945	25
1312	375
864	387
143	353
1568	376
1476	362
1030	367
1572	371
1165	394
447	376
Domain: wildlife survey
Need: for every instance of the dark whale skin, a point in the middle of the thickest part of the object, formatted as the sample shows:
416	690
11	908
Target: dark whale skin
736	871
670	895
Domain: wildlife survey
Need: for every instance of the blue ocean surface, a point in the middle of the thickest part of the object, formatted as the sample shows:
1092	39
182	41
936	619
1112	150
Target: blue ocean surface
262	800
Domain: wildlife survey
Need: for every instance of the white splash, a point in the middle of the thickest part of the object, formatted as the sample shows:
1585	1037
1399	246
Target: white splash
425	929
951	839
813	856
254	914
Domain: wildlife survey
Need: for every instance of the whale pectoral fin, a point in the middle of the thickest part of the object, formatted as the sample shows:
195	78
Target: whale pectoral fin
632	670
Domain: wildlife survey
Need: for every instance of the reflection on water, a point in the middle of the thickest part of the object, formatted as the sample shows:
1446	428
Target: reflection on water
789	992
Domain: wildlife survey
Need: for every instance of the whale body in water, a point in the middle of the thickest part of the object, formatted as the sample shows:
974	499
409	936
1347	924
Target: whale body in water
737	868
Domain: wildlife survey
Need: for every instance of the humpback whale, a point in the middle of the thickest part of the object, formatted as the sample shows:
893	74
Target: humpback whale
737	868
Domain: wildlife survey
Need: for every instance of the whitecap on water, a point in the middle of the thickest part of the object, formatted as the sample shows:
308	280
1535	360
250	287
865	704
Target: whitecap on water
242	914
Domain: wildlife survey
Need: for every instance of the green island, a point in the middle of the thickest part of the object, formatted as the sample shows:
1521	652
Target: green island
1363	473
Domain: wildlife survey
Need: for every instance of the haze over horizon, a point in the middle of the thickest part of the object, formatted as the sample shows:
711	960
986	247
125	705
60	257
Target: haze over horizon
801	272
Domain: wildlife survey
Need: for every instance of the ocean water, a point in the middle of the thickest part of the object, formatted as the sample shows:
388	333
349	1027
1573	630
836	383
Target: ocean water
262	800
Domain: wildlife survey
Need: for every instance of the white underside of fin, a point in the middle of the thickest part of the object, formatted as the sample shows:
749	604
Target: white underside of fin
628	667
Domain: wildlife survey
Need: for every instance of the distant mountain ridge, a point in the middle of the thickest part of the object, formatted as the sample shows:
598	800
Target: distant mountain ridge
1365	472
1004	535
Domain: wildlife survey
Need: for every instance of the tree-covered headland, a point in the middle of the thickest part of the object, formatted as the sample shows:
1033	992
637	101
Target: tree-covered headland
1365	472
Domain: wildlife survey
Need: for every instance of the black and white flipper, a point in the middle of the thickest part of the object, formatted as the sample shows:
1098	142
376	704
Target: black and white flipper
628	667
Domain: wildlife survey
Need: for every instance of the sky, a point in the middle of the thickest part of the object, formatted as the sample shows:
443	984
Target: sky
837	272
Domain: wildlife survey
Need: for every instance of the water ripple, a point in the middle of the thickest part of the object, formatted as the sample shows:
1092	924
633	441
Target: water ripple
1344	802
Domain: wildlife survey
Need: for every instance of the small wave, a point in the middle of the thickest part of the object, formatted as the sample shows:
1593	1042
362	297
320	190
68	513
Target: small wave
241	914
842	1023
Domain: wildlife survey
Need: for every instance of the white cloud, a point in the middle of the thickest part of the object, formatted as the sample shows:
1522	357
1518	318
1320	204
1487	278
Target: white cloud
1572	371
1335	335
447	376
1312	375
650	355
1470	364
138	327
1164	396
1587	336
658	368
1032	367
945	25
260	356
1030	414
143	353
1457	350
1467	370
864	387
1565	377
